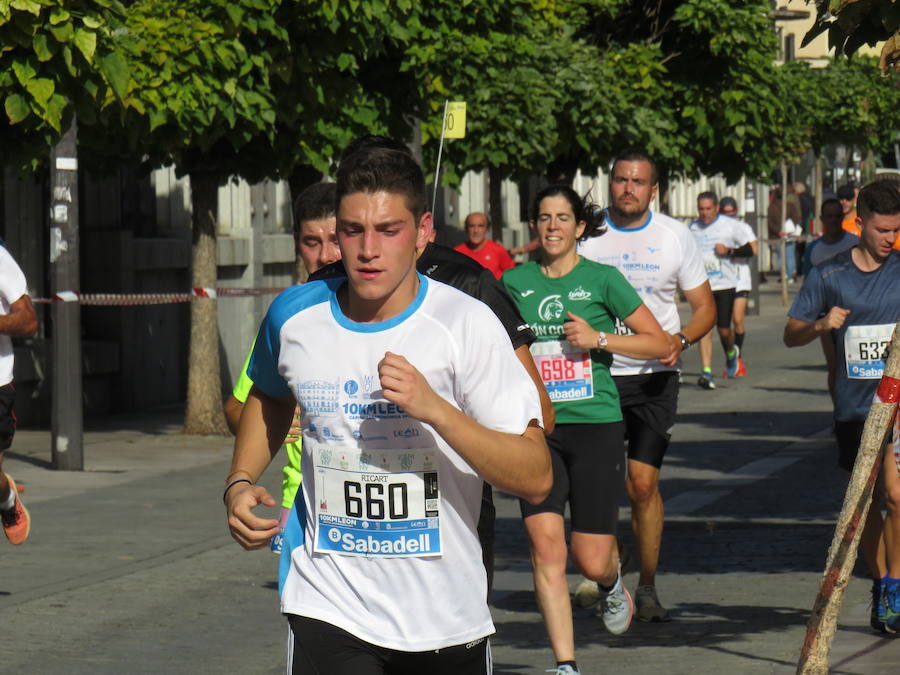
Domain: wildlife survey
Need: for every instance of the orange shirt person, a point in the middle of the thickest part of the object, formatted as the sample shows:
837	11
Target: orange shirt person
489	253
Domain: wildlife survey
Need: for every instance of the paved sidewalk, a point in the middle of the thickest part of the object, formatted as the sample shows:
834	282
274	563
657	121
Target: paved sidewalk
130	569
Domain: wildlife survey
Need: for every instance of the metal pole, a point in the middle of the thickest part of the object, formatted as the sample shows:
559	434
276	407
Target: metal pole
784	280
437	170
66	406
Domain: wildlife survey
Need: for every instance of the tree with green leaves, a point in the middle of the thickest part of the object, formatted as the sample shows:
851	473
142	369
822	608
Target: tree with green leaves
850	24
55	61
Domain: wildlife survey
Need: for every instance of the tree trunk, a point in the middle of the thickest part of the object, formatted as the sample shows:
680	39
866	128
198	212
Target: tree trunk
495	178
204	413
817	190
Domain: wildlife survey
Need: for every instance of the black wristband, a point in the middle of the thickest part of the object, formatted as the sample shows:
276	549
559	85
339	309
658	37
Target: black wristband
232	484
685	343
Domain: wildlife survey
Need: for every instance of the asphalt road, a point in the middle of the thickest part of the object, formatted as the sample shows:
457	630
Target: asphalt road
130	569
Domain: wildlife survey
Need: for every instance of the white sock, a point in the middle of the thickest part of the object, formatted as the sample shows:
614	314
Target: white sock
10	501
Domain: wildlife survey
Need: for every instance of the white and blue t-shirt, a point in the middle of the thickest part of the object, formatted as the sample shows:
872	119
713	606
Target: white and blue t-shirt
656	258
721	270
12	287
382	540
873	299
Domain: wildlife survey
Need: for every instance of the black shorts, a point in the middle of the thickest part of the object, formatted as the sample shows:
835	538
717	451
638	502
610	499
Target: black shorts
649	404
741	294
724	306
318	648
588	472
7	415
848	436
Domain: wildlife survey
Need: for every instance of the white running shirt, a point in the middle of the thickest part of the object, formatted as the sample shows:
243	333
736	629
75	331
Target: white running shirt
656	258
381	540
12	287
721	271
744	276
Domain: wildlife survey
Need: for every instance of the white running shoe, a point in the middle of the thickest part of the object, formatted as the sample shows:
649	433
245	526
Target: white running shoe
616	608
564	670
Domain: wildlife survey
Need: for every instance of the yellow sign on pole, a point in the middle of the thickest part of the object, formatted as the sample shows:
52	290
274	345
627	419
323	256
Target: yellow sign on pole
455	120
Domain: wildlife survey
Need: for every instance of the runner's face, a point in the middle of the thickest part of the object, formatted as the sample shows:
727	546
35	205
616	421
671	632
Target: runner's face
706	210
879	233
556	226
379	240
832	215
846	206
476	229
318	244
631	189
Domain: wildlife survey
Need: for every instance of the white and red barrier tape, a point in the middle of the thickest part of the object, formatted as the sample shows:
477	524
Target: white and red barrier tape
129	299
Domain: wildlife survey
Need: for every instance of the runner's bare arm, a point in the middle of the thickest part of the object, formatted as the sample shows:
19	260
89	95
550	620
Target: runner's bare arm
703	316
21	320
233	409
547	411
648	341
517	464
798	333
263	424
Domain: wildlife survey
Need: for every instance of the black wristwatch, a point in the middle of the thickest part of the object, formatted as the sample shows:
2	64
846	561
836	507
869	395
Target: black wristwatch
685	343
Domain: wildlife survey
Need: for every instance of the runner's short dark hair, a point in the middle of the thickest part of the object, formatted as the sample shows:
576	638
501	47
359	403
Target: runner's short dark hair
314	203
846	192
726	202
709	194
382	169
637	155
879	197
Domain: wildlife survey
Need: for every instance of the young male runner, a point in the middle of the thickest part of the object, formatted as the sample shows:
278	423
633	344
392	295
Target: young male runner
398	378
728	207
720	239
855	297
657	254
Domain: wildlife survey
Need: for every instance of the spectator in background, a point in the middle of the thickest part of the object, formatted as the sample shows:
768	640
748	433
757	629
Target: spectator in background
846	195
807	220
489	253
779	229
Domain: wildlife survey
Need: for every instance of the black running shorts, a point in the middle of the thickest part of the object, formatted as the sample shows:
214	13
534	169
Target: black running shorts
724	306
649	403
588	472
848	436
7	416
318	648
742	294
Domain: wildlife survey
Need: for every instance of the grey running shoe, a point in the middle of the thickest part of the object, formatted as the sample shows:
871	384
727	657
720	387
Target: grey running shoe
648	607
616	608
564	670
587	594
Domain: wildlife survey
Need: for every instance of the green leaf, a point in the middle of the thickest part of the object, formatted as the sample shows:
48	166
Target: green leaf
17	108
44	48
91	22
55	108
24	71
58	15
62	32
86	41
41	89
115	71
27	6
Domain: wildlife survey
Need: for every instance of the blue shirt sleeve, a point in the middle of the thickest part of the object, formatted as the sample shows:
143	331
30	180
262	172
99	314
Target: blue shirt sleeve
810	302
263	366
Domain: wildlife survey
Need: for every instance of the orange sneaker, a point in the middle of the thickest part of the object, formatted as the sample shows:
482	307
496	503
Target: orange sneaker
740	369
16	521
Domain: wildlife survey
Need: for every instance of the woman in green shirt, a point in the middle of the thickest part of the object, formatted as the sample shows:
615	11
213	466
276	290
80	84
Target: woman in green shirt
573	305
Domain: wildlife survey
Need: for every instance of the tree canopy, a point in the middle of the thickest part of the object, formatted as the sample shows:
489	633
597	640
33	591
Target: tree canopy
850	24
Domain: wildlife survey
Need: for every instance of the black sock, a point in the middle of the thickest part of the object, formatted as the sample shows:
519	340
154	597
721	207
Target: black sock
739	341
567	663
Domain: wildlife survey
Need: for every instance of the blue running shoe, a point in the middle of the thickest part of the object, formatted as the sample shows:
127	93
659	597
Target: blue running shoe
731	366
890	604
706	381
876	617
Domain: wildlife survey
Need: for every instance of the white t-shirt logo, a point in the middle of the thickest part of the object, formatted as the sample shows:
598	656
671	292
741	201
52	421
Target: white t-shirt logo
551	308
